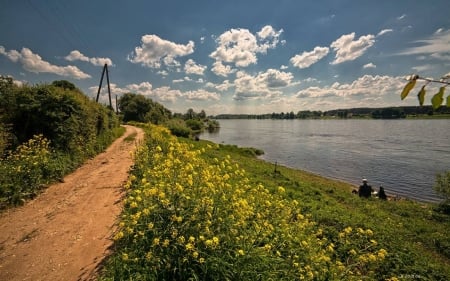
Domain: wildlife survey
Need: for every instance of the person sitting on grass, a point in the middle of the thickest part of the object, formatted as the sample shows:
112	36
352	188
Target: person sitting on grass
381	194
365	190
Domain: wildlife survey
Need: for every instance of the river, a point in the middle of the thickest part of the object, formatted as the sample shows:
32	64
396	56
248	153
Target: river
401	155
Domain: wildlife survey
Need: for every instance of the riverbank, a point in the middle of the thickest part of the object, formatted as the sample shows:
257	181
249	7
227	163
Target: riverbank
198	209
414	233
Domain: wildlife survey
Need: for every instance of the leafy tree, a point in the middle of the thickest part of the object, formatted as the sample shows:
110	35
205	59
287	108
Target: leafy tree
141	109
64	84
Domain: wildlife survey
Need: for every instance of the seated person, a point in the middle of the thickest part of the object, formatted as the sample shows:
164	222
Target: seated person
382	194
365	190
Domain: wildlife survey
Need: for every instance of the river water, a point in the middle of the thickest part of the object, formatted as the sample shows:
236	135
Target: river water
401	155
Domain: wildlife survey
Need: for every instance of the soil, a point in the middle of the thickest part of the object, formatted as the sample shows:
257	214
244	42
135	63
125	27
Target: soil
65	233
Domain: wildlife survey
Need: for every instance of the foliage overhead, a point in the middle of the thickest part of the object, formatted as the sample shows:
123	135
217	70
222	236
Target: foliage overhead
437	99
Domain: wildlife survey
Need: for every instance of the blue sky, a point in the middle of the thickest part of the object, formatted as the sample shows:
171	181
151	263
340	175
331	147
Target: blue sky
231	56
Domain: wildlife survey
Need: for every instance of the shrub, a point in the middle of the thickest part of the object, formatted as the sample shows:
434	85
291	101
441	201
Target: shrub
178	128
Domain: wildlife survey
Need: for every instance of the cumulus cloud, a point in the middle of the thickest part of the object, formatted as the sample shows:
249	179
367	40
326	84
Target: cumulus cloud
77	55
364	87
161	94
222	70
34	63
200	95
306	59
264	84
240	47
191	67
348	49
369	65
437	45
155	51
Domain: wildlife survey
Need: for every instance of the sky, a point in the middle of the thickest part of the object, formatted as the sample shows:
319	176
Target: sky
250	57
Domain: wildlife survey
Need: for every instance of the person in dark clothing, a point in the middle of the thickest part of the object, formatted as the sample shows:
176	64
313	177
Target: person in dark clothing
365	190
382	194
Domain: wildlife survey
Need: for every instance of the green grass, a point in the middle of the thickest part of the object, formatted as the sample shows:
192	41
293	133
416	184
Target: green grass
199	211
416	236
131	137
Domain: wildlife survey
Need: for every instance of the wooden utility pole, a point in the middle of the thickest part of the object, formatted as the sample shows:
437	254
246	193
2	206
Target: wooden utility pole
105	69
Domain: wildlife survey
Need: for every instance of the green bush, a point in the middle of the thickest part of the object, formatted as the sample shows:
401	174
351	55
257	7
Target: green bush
178	128
60	118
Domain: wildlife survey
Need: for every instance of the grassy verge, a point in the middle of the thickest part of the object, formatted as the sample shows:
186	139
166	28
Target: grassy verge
33	165
201	211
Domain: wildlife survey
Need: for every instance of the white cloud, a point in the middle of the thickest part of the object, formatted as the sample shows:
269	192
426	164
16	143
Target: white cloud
367	86
283	67
401	17
270	37
423	68
384	31
77	55
200	95
224	86
192	68
437	44
240	47
222	70
34	63
155	51
264	84
369	65
306	59
348	49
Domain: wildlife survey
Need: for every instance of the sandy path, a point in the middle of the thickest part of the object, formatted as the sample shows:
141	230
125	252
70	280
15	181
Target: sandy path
64	233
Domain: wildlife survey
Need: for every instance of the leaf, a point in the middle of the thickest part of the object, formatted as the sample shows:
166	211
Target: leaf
421	95
438	98
408	88
448	101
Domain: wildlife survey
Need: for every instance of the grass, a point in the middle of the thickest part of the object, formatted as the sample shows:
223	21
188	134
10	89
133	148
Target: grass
131	137
199	211
416	236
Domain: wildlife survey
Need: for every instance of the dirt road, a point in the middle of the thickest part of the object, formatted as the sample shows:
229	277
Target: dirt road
64	233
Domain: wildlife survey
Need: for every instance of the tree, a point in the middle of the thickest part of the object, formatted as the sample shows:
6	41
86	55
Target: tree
64	84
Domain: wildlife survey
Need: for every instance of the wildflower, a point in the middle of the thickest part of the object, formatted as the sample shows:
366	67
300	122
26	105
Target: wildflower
201	260
189	246
241	252
352	252
124	256
150	226
165	243
156	241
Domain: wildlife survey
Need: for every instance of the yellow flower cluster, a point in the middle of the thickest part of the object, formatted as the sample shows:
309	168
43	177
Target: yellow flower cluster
184	214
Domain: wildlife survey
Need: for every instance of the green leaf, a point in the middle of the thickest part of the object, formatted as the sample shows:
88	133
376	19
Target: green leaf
438	98
408	88
421	95
448	101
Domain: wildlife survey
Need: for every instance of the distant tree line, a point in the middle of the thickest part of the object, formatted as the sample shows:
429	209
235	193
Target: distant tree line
376	113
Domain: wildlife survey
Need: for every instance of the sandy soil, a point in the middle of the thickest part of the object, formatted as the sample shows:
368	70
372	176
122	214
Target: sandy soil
64	234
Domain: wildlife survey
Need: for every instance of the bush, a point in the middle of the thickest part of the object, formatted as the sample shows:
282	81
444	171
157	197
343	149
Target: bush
56	119
178	128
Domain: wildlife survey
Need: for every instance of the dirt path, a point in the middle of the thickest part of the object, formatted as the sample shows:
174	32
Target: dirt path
64	234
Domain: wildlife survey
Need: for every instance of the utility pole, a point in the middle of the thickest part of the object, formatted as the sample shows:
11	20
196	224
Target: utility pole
105	69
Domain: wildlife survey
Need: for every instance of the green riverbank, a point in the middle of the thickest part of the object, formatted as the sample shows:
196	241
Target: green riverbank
416	236
195	210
